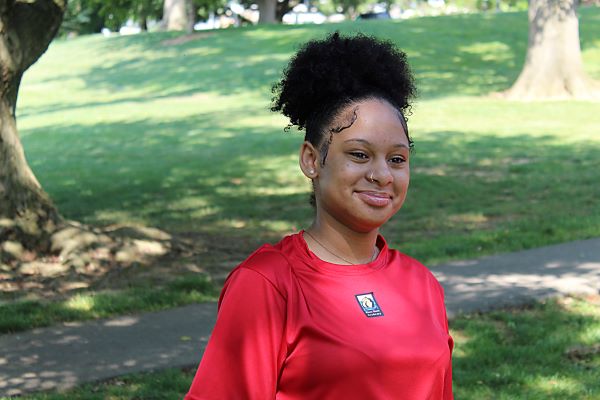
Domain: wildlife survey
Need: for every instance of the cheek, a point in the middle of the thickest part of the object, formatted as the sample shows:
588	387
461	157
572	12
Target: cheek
407	179
346	173
349	167
402	179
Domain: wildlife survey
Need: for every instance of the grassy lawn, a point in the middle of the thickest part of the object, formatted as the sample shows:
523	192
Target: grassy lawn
178	135
539	352
24	315
130	129
546	351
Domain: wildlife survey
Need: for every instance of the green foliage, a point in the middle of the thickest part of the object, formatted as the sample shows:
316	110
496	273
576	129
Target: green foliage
348	6
82	17
490	5
117	12
205	7
502	5
89	16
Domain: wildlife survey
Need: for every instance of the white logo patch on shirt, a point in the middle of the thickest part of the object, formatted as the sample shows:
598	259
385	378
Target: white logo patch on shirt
369	305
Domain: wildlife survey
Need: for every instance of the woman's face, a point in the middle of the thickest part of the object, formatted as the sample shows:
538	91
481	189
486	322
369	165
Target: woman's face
365	176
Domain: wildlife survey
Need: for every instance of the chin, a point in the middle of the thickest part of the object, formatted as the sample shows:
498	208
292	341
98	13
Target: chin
365	225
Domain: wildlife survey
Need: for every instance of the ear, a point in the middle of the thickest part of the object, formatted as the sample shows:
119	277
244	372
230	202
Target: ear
309	160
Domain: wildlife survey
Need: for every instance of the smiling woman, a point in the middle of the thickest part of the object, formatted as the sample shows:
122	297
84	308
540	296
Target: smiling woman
366	177
331	312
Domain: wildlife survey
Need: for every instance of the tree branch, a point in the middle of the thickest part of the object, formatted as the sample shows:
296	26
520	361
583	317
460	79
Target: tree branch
35	23
6	5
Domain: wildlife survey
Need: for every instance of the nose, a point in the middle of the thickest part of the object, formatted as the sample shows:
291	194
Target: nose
380	173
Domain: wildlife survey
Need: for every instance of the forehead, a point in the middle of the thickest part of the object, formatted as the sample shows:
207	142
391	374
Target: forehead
372	119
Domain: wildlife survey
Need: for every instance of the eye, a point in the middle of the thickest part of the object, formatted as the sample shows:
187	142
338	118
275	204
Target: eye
359	155
397	160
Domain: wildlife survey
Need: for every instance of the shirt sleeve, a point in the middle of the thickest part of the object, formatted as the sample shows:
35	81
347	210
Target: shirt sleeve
448	394
246	350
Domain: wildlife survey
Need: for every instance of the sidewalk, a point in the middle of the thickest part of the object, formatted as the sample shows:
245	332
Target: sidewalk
71	354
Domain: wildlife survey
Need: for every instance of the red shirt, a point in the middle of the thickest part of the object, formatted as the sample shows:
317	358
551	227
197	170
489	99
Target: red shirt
293	327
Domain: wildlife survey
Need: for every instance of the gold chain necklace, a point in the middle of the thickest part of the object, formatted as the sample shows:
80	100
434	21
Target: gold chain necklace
335	255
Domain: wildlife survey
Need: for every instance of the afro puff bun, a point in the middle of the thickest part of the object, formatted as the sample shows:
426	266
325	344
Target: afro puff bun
326	75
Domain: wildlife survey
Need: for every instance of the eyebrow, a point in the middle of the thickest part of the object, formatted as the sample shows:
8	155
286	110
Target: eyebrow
368	143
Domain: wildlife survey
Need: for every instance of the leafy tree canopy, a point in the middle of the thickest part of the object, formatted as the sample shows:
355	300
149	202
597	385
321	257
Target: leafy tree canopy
90	16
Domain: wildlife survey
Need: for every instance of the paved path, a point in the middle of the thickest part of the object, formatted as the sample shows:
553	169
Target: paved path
65	356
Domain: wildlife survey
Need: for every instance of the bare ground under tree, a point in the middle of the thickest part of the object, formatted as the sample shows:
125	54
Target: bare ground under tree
92	259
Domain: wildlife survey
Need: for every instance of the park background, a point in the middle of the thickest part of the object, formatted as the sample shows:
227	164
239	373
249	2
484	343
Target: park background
165	141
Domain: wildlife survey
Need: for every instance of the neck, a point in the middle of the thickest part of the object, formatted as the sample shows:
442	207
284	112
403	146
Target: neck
342	245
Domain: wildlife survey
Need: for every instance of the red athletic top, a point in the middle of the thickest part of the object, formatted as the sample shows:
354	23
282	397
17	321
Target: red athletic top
293	327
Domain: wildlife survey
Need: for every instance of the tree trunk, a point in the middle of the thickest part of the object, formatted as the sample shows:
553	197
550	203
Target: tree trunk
144	23
553	68
267	10
176	15
27	214
192	12
282	8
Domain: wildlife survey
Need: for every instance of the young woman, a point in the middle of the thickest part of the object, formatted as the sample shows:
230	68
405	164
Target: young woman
331	312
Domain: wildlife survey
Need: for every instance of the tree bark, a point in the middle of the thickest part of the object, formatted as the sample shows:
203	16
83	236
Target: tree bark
282	8
192	12
176	15
267	10
553	67
27	214
144	23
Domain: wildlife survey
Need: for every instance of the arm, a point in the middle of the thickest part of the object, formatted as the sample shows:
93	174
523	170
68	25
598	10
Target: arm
246	349
448	394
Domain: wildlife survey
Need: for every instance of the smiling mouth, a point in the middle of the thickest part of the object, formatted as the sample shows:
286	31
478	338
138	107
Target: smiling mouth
375	199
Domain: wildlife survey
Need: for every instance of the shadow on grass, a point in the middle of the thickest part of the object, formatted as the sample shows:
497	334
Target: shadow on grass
527	353
484	58
244	181
492	194
198	174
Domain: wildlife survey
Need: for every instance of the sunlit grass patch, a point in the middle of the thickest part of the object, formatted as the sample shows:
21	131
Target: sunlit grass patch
84	303
28	314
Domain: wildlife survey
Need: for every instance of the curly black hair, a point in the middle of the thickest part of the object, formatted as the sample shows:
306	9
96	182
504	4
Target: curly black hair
325	76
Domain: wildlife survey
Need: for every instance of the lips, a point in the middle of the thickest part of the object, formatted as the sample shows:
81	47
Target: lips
375	199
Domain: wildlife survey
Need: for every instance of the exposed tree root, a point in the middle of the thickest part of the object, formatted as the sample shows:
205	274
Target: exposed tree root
583	89
80	257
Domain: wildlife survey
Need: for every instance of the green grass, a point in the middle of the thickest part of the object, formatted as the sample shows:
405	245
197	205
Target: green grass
23	315
524	354
129	130
502	355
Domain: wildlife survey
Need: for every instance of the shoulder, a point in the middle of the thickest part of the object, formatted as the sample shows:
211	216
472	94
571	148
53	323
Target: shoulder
270	263
417	269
